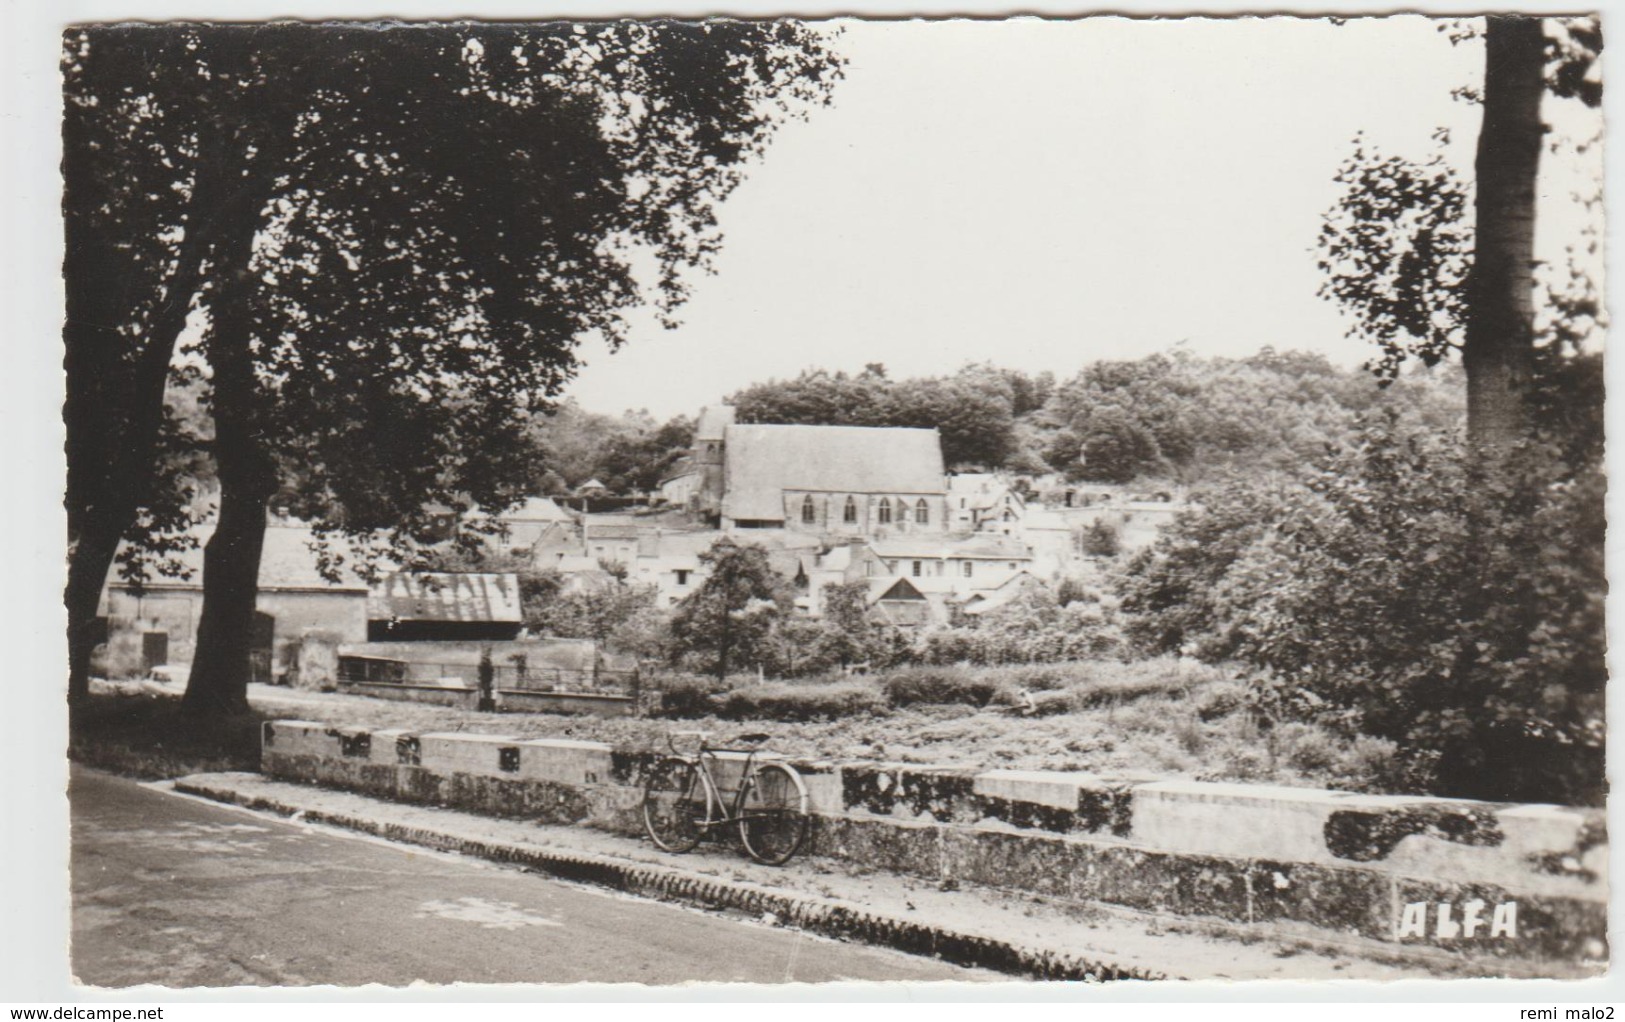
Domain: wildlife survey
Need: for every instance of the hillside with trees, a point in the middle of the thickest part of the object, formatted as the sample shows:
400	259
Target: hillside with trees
1163	417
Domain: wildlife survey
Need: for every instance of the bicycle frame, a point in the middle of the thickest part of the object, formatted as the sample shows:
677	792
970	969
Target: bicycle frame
732	812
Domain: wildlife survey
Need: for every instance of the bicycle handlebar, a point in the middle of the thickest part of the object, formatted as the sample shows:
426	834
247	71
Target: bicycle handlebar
703	737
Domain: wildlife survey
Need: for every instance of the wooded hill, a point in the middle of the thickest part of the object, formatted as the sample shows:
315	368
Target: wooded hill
1170	416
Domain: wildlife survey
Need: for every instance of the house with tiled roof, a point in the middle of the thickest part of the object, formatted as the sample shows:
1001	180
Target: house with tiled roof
985	501
983	561
146	626
157	623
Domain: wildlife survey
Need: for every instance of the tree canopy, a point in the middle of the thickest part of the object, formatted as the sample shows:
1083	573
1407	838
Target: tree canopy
399	235
728	621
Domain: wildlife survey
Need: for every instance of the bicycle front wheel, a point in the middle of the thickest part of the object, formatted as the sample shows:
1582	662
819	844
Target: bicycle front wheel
676	805
773	817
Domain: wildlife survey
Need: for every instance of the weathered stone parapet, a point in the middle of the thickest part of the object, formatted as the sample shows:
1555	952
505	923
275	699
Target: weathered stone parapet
1428	873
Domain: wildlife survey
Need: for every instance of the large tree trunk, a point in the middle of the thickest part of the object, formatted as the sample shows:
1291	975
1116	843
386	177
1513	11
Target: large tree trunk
231	561
1498	356
90	557
1498	352
114	413
231	568
114	407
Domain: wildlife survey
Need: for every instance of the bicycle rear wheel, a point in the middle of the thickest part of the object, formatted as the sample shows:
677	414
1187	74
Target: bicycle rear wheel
773	816
676	805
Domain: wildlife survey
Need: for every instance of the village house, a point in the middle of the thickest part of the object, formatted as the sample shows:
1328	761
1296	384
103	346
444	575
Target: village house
984	501
536	523
610	541
670	561
681	487
979	562
1022	583
815	569
157	624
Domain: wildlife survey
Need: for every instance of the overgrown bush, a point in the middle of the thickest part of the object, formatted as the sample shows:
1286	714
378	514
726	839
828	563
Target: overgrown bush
943	685
779	700
987	646
1395	593
689	695
1221	700
1101	539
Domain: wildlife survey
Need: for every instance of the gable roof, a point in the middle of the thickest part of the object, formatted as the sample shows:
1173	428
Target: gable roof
538	509
985	547
900	589
610	530
761	462
445	596
287	562
1005	592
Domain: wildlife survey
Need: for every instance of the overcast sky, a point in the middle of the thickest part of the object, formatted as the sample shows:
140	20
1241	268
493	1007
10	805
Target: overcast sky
1045	193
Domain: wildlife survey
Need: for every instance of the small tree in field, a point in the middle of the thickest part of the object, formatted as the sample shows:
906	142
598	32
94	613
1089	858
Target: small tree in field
848	633
729	619
1101	538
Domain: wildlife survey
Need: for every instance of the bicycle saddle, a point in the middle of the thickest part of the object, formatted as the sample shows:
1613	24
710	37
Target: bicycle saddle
753	738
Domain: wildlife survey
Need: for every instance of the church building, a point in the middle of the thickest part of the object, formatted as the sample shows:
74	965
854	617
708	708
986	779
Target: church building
834	480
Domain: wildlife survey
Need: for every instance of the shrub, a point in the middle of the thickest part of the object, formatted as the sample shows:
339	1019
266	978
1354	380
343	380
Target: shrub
989	644
778	700
1038	677
1050	704
1101	539
944	685
1307	748
1221	700
689	695
1122	683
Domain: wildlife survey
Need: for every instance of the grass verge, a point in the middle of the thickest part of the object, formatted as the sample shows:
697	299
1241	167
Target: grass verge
151	737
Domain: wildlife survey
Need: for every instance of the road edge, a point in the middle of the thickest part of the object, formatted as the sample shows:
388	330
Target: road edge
822	916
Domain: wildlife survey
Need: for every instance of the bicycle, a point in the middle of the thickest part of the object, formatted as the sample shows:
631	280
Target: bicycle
682	801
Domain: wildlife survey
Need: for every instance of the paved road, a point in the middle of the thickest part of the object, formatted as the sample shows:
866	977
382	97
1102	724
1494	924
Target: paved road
178	892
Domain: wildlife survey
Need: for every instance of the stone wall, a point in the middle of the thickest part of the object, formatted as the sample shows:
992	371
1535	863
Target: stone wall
590	704
1410	873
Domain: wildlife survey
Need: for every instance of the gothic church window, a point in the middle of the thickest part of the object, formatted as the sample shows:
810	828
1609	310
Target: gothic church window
850	515
808	515
922	513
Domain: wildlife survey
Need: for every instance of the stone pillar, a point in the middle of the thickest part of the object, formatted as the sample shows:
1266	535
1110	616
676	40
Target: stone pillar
314	661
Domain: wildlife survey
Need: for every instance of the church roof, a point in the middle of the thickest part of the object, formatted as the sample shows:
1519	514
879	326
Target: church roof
764	461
